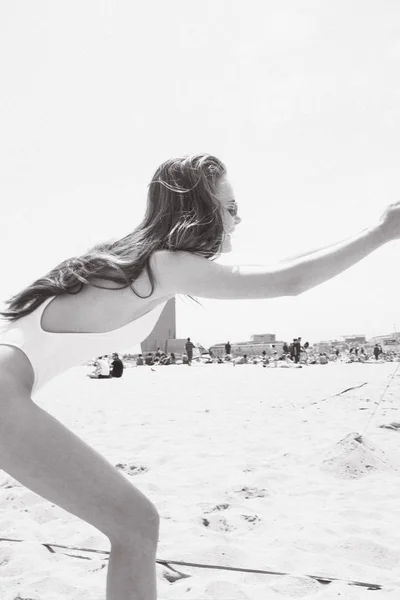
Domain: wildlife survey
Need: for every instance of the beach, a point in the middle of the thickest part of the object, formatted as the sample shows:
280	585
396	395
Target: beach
283	470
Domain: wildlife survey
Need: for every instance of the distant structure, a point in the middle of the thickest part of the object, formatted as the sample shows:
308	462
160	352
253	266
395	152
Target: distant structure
263	338
258	343
355	339
164	331
391	339
389	342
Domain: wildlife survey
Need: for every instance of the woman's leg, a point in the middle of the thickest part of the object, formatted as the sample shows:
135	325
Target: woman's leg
42	454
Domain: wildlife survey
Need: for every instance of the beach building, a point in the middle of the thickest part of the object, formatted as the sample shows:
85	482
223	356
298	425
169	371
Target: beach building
357	339
263	338
329	346
253	347
388	342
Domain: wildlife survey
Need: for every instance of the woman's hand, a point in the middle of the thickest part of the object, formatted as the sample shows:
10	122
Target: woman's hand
389	224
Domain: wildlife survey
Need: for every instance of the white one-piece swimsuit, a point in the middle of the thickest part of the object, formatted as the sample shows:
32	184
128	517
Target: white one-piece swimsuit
52	353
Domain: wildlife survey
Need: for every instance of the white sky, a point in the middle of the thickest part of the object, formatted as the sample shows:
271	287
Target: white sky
300	99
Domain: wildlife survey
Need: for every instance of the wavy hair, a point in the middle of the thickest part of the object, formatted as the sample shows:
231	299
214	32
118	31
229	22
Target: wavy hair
183	213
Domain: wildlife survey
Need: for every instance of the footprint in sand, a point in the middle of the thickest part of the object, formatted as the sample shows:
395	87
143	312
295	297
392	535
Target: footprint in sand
251	519
218	522
394	425
251	492
8	482
223	506
132	469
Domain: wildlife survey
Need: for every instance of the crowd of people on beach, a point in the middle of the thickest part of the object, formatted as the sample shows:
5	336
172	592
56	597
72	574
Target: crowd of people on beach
294	355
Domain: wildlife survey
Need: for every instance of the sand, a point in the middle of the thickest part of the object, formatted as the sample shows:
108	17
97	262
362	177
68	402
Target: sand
249	467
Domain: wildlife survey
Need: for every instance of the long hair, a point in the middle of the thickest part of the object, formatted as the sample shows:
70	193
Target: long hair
182	213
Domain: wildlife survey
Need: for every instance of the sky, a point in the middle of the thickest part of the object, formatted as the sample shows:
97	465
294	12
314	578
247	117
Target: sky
301	100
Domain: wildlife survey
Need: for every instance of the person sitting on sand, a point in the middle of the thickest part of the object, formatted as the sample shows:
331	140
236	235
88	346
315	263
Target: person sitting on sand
164	359
149	359
241	360
102	370
117	366
139	360
112	296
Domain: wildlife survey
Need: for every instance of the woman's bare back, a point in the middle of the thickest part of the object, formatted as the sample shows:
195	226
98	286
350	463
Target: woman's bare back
92	310
97	310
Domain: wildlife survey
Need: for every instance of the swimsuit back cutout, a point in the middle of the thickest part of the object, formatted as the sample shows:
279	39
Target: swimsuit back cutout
52	353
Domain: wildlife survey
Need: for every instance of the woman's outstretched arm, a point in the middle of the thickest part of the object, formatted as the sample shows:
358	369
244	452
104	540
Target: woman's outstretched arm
314	251
186	273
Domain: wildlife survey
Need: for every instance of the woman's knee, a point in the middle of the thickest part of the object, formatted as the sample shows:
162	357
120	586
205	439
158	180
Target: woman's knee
137	522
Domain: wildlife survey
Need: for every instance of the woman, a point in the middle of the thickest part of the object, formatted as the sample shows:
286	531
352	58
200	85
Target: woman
86	305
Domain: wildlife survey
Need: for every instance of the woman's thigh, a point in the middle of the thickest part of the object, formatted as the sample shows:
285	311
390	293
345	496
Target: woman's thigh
42	454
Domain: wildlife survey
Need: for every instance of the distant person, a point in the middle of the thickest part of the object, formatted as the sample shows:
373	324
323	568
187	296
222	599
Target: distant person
117	366
189	346
297	349
165	359
241	360
376	351
228	348
274	355
102	370
285	348
149	359
139	360
172	358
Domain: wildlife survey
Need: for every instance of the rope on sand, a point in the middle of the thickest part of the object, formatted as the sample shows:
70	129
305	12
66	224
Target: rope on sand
391	377
381	398
340	393
167	563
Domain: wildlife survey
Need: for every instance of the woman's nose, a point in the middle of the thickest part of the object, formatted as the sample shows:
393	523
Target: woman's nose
237	220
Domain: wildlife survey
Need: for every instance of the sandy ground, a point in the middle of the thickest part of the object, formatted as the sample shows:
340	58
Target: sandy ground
249	467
